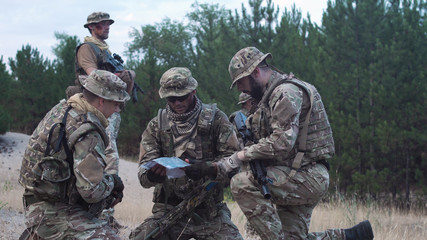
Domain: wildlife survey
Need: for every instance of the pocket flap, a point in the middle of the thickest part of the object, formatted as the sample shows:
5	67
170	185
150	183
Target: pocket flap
52	169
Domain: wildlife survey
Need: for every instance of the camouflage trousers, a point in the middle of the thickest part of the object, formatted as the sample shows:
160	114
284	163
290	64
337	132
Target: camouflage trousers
111	152
63	221
288	214
218	228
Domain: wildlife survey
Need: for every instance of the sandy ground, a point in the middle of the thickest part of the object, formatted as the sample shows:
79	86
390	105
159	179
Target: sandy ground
135	207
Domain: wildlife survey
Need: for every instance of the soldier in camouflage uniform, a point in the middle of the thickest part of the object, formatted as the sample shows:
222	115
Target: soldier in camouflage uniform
188	129
92	55
293	139
245	100
63	169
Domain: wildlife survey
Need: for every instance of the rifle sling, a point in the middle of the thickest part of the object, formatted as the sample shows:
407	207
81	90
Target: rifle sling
296	164
61	139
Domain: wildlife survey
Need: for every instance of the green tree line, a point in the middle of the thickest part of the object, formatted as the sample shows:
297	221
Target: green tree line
367	58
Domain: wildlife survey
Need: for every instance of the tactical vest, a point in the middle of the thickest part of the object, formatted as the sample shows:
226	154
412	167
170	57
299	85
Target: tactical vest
204	139
318	144
48	174
101	60
173	190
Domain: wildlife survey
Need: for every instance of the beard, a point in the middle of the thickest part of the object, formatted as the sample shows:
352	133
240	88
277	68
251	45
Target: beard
256	89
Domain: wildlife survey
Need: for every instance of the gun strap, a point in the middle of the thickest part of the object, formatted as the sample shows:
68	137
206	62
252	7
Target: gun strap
61	138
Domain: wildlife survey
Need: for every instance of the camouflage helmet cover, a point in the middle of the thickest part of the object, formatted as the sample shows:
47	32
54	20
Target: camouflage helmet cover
244	63
244	97
176	82
97	17
106	85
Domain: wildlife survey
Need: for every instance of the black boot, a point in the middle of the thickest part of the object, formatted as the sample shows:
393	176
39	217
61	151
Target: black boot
362	231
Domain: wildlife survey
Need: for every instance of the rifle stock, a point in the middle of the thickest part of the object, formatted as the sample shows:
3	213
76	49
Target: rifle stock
257	167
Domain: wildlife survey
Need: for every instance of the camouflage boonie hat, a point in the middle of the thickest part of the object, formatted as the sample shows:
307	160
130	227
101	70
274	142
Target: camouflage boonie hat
97	17
176	82
244	62
244	97
106	85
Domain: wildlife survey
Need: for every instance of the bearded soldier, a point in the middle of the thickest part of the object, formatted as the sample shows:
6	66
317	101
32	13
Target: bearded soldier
188	129
64	166
292	139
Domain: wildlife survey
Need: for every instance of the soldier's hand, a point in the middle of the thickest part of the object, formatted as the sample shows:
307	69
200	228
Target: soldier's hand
118	184
127	76
157	173
201	169
118	197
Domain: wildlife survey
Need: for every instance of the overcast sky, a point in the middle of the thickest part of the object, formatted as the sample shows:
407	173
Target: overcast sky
34	22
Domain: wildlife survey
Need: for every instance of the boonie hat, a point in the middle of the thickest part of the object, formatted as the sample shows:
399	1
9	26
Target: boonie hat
106	85
97	17
176	82
244	63
244	97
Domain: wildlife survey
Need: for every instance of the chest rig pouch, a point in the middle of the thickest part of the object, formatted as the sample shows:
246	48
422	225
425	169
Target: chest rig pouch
172	191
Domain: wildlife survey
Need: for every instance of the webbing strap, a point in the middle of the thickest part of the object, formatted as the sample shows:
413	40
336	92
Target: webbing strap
296	164
61	136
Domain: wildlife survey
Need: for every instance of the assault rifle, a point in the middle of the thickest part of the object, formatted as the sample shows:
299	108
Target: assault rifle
257	167
117	63
184	208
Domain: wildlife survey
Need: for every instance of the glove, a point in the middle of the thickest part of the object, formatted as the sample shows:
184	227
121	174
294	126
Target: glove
230	165
154	177
118	184
201	169
127	76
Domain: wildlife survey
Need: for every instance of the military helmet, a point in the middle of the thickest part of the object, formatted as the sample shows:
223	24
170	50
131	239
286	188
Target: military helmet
97	17
106	85
176	82
244	97
244	62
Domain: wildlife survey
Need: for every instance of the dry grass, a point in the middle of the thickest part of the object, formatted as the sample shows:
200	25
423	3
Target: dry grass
388	222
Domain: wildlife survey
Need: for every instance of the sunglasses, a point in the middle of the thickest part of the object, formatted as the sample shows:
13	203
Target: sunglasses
180	99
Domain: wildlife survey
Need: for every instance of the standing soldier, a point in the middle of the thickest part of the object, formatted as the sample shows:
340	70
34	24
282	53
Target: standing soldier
245	101
292	140
188	129
64	166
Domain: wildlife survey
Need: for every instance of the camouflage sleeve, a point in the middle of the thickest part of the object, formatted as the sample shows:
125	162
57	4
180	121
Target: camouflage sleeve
111	153
92	182
285	104
149	149
226	144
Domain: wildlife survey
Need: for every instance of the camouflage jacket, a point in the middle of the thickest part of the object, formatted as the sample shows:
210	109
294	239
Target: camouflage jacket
50	177
278	120
215	140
